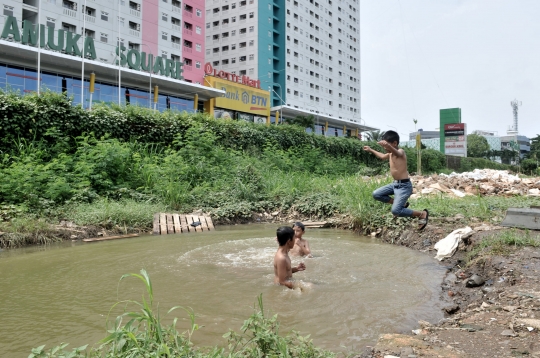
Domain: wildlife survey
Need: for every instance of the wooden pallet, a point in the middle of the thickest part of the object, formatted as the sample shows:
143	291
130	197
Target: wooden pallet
180	224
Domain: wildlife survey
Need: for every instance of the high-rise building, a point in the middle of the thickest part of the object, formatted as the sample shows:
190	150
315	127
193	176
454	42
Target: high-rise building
305	53
130	45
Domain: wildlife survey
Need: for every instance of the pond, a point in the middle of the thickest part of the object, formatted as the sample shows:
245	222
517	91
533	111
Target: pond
360	286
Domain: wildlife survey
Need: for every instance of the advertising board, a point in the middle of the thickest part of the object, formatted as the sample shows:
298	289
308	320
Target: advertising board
241	98
455	139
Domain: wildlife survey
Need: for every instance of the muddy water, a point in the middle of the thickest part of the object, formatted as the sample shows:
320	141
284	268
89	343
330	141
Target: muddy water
360	287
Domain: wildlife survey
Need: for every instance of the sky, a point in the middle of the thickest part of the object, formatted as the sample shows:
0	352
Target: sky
420	56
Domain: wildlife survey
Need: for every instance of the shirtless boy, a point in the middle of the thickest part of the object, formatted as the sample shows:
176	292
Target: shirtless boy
401	188
282	262
301	246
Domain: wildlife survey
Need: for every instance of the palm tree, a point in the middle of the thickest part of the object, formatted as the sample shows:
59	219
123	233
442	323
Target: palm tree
374	136
302	121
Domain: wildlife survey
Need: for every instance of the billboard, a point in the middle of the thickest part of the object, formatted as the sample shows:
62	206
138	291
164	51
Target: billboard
455	139
241	98
448	116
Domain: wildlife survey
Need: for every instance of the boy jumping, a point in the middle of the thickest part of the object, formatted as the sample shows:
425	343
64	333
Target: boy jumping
401	188
282	262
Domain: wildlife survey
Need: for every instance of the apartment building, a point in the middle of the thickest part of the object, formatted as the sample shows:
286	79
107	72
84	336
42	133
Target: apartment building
305	53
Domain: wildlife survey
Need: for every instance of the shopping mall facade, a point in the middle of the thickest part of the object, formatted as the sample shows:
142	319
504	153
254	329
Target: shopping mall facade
138	51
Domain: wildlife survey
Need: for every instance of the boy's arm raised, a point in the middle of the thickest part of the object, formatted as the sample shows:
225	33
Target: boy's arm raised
396	152
379	155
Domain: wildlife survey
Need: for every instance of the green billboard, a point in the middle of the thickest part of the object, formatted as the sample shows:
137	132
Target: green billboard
448	116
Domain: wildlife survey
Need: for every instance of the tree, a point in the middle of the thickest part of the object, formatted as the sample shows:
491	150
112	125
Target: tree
477	146
374	136
302	121
535	148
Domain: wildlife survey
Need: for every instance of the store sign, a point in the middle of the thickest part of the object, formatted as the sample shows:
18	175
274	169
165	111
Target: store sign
67	41
240	98
245	80
455	139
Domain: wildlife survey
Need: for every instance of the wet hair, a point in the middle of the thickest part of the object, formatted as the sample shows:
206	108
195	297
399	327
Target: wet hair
391	136
284	234
300	225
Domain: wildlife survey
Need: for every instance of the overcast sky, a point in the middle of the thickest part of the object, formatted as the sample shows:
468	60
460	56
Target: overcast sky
419	56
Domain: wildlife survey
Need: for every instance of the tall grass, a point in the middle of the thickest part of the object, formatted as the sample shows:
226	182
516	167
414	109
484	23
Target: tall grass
501	244
141	333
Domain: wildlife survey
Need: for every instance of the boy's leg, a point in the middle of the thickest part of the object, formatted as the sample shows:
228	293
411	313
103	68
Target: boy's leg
402	192
383	193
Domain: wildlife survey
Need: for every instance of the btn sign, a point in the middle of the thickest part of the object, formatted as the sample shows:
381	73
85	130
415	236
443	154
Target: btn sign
241	98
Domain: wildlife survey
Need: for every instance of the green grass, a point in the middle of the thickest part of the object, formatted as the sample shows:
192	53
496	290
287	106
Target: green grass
26	230
501	244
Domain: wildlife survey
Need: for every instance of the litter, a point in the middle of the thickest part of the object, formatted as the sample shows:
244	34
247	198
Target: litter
447	246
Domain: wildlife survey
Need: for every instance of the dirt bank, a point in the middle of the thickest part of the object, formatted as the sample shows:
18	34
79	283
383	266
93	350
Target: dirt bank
498	317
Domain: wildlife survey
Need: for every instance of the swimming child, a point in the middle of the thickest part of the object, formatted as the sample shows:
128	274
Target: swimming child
301	246
282	262
401	188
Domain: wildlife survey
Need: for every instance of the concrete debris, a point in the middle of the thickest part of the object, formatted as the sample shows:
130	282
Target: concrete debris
478	182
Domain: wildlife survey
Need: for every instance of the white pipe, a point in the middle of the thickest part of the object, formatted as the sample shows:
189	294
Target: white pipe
39	49
83	54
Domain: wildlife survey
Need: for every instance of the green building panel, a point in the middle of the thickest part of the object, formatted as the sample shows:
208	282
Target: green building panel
448	116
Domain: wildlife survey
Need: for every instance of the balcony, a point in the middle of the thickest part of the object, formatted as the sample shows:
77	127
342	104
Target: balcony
135	13
188	49
133	32
90	18
177	45
177	9
177	28
69	12
187	68
188	31
188	14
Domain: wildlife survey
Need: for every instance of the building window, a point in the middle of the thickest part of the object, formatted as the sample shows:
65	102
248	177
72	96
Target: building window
198	30
251	28
233	60
251	71
243	72
233	19
198	12
8	10
251	15
164	17
198	47
197	64
251	57
50	22
69	27
252	42
233	46
164	36
233	5
233	32
90	33
207	25
104	16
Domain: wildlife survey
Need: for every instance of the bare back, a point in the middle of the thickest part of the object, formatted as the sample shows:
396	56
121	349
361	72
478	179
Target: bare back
282	267
398	165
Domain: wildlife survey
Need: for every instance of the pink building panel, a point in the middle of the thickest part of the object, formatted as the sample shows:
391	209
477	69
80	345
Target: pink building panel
193	22
150	29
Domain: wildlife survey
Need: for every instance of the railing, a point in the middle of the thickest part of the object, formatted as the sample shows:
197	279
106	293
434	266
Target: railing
188	49
224	25
243	35
187	31
177	9
90	18
177	45
216	41
134	32
187	68
69	12
177	28
134	12
224	12
188	14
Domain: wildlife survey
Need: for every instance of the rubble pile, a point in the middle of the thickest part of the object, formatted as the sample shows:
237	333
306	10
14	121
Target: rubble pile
477	182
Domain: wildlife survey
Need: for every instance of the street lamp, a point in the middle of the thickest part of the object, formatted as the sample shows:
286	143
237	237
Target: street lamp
150	70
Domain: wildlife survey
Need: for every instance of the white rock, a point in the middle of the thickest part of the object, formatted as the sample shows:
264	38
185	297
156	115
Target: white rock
458	193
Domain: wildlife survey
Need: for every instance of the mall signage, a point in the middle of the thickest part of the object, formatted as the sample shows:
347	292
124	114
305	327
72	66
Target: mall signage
67	42
242	79
455	139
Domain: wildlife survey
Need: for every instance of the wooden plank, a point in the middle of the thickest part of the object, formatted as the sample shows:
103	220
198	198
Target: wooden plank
170	226
104	238
184	224
203	223
155	230
163	223
209	223
189	219
177	226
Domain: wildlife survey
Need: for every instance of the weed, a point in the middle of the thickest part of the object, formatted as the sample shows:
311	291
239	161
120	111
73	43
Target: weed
501	244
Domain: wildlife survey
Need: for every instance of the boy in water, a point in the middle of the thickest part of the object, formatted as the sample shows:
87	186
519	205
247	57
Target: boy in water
282	262
301	246
401	188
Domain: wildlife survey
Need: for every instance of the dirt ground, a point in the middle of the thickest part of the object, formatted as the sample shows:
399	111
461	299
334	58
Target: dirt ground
498	317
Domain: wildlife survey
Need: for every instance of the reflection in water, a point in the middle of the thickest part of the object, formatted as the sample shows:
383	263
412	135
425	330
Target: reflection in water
354	287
